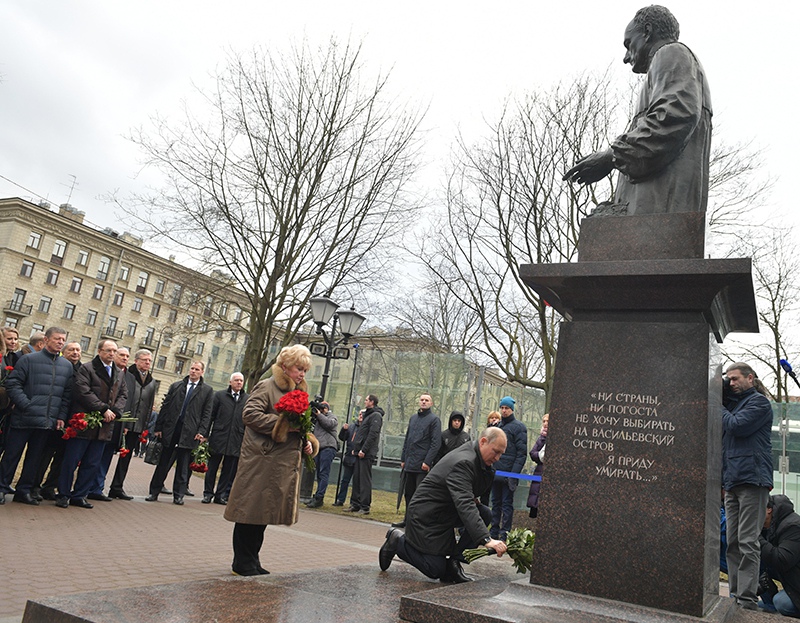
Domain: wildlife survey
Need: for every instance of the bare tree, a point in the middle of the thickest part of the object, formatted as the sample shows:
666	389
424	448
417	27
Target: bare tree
291	180
776	266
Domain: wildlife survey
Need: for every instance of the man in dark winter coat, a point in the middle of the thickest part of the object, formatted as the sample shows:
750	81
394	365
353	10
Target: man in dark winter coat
445	500
420	448
325	432
512	461
227	431
183	423
40	387
347	434
780	557
454	435
99	387
746	478
141	396
365	450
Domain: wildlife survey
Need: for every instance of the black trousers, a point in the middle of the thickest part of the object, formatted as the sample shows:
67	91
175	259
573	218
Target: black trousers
361	497
435	565
181	457
412	482
52	457
124	462
247	542
35	439
223	487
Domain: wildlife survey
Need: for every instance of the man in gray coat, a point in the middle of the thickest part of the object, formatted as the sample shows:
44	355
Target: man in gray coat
182	424
225	441
325	432
141	396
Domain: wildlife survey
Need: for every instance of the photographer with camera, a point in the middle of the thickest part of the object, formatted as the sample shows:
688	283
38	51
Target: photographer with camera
325	424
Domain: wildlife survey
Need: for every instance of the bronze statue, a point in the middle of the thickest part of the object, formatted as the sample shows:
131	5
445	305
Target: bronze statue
663	156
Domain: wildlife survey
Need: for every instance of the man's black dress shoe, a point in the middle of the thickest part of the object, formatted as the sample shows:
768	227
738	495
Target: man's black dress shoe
2	498
389	548
455	573
178	501
100	497
62	502
120	495
80	502
36	495
151	498
165	491
49	494
314	503
25	498
399	524
189	493
222	501
207	498
261	570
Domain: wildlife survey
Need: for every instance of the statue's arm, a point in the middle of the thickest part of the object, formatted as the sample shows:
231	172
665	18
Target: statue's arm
660	132
592	168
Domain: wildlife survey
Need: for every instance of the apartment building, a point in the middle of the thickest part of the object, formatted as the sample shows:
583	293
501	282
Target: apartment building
59	270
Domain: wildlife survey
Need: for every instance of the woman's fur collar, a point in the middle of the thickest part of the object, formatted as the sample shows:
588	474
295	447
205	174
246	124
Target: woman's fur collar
284	383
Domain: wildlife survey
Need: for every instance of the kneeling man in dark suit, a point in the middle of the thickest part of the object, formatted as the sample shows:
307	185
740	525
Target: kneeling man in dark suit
448	498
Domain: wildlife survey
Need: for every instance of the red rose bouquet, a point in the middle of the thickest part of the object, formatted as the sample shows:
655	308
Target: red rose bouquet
82	421
296	411
200	456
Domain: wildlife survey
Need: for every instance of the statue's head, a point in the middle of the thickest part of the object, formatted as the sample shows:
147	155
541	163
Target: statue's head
650	28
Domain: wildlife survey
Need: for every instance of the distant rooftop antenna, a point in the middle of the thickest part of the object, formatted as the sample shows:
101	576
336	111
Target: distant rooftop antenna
71	186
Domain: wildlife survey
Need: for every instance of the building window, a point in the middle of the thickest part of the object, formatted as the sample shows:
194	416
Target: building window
204	326
52	277
223	310
200	347
229	357
160	286
156	310
176	295
18	299
59	249
10	322
184	346
112	324
124	273
91	317
137	304
179	366
214	352
34	240
27	269
161	363
237	314
148	336
218	332
69	311
102	269
189	321
83	258
234	335
98	291
141	282
76	284
44	304
37	328
118	297
85	341
207	306
132	329
173	315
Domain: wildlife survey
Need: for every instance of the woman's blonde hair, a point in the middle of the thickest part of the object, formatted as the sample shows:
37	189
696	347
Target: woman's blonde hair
493	415
297	355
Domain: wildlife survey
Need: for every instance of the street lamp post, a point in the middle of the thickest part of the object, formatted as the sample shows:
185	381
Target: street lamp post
348	321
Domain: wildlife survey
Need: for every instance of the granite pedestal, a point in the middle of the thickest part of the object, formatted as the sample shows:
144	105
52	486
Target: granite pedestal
630	498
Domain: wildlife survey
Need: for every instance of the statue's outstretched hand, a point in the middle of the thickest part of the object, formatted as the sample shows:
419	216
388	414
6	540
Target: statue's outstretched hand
591	169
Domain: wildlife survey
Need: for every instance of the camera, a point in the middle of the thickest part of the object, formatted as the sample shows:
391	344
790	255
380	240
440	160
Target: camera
317	404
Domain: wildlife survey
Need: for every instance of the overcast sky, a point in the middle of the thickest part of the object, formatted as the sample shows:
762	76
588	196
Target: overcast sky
77	76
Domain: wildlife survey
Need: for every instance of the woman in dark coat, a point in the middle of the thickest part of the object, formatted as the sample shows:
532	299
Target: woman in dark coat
537	454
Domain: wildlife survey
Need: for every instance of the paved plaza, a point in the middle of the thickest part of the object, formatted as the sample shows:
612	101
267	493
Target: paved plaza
49	551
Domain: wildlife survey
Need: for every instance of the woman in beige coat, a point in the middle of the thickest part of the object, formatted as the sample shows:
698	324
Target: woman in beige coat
267	484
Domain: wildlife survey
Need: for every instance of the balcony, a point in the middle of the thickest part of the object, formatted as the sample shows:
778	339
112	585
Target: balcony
147	342
184	353
110	333
17	308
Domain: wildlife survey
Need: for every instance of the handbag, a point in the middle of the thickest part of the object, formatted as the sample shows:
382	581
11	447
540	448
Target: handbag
152	455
